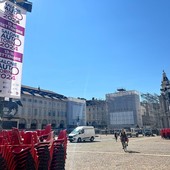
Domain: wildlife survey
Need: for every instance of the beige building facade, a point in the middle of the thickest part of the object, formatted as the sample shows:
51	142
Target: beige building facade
41	107
96	113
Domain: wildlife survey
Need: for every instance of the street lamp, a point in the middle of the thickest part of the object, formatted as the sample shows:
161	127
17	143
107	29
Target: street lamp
78	120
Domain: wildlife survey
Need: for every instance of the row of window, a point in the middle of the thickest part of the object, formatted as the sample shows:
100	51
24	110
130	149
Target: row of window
90	109
41	102
42	121
39	112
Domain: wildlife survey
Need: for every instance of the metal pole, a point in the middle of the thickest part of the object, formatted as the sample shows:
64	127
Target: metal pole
1	112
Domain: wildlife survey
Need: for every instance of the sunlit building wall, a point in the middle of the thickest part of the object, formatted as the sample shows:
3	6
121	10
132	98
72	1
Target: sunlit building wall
96	113
42	107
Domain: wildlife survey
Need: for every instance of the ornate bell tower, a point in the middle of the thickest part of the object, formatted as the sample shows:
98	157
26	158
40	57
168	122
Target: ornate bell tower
165	101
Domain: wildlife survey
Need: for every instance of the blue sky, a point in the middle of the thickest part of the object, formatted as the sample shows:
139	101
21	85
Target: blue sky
89	48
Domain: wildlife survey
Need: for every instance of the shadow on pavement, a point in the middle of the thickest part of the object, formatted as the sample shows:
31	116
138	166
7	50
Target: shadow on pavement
85	142
90	141
132	152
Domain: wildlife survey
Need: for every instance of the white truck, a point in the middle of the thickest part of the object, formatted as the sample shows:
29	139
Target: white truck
82	133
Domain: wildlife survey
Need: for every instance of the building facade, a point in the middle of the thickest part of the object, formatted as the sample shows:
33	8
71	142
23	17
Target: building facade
96	113
165	101
41	107
120	109
151	115
124	109
76	112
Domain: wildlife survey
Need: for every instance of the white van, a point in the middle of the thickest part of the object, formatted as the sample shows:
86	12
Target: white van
82	133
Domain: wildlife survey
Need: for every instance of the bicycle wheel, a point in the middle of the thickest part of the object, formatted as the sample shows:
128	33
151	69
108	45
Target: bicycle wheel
125	146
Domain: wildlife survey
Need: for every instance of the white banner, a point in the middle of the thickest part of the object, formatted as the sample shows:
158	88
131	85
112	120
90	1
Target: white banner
122	118
12	31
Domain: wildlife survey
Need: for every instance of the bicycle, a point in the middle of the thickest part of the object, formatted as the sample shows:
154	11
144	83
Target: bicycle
124	144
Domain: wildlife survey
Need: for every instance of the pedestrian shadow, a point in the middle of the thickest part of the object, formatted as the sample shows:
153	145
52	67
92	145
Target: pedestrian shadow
132	151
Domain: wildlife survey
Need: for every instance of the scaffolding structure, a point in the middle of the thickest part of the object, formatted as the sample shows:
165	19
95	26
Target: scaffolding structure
151	117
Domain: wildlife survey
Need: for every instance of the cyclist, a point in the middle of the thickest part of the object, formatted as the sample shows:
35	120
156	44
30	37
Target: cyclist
123	137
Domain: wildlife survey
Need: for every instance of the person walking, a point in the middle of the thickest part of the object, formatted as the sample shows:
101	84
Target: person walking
116	135
123	138
106	131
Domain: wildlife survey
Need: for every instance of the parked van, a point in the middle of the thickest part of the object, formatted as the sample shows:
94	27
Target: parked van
82	133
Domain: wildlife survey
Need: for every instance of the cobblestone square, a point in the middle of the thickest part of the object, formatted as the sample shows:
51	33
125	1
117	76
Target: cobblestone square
144	153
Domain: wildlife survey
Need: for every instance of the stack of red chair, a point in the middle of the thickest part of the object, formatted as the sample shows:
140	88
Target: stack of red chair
32	150
165	133
58	151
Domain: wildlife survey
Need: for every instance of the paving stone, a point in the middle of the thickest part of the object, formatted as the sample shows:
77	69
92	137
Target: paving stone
144	153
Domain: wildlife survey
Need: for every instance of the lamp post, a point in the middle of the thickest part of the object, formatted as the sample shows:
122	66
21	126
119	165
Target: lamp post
78	120
1	114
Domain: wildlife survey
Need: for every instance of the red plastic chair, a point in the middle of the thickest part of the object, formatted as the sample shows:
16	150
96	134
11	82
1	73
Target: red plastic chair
47	129
16	137
63	135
